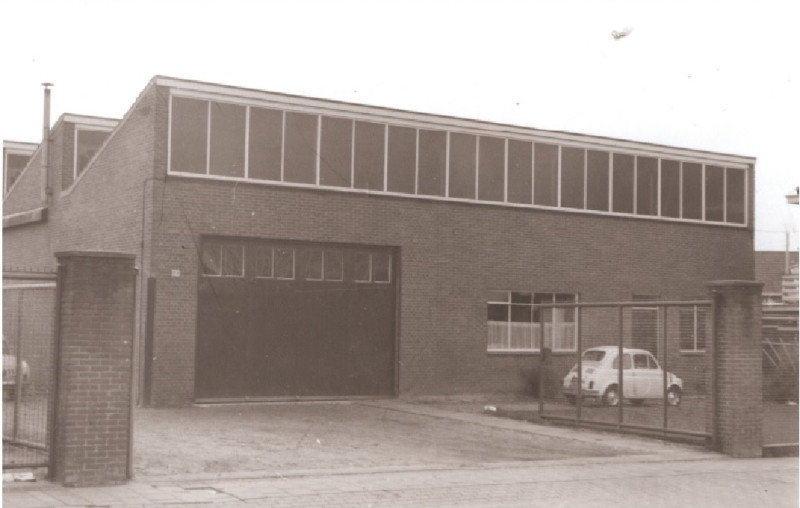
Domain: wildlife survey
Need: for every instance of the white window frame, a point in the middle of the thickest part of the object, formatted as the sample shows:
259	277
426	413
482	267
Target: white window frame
695	328
540	325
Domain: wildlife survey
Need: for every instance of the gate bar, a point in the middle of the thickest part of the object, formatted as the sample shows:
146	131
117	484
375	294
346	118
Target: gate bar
663	312
619	371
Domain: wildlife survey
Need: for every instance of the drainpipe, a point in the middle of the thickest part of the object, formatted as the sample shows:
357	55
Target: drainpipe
47	191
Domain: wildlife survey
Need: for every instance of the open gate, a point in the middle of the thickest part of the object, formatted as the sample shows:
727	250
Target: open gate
28	368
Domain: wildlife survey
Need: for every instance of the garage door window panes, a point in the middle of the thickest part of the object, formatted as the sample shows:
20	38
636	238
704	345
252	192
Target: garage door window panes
314	264
381	268
284	263
222	259
333	265
362	267
515	323
263	262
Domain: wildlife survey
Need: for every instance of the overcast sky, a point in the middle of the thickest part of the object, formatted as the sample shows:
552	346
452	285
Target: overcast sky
716	76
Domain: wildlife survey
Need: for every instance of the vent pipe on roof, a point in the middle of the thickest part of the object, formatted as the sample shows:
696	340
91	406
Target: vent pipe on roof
47	191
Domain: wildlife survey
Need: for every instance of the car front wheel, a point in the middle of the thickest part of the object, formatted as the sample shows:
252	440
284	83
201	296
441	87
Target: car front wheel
611	397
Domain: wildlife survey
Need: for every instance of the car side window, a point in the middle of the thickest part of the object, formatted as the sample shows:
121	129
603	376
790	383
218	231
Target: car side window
640	361
653	362
626	362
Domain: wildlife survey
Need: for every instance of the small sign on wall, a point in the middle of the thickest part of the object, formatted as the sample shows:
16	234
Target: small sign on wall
176	272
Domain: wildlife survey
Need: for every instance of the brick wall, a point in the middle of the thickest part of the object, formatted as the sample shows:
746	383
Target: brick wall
736	362
93	401
450	255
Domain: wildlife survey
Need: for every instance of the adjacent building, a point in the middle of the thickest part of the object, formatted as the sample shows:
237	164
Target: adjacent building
292	247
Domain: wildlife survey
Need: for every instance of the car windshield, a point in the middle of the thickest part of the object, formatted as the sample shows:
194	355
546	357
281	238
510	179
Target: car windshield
593	356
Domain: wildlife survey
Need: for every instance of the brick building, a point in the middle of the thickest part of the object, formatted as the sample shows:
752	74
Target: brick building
295	247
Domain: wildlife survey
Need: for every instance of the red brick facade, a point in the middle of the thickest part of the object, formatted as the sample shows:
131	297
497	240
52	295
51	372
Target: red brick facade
450	254
93	400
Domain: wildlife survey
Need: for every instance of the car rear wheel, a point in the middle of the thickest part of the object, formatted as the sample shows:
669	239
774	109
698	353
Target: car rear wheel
674	396
611	397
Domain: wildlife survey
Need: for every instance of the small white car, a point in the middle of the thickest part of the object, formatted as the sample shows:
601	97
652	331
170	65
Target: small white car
642	377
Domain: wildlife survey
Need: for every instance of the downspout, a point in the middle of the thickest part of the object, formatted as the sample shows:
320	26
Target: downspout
47	191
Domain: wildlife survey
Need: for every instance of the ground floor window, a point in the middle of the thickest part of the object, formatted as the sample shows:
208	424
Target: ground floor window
519	321
693	323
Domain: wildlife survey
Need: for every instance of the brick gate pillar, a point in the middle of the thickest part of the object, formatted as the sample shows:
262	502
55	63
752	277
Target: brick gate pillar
95	327
734	362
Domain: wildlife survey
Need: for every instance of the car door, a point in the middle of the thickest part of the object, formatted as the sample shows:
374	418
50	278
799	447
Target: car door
627	375
646	376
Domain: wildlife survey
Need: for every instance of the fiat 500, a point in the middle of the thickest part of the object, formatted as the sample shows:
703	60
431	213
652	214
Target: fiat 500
642	377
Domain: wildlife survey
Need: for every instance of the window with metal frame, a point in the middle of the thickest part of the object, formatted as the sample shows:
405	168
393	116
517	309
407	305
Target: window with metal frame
516	323
225	140
693	324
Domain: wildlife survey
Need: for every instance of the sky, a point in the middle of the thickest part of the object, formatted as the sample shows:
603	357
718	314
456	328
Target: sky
706	75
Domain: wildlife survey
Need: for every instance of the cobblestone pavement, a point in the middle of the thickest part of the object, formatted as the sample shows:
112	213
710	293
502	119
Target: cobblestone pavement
592	469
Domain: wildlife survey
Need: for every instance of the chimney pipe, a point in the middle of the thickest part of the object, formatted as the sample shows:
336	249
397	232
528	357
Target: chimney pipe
47	191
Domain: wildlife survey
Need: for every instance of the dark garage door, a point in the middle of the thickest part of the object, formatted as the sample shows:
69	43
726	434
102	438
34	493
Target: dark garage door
286	320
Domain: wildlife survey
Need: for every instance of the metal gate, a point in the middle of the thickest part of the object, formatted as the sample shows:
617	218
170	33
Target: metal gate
28	368
662	385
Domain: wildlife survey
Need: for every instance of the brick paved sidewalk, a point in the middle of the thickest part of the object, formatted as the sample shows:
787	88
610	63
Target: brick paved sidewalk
711	481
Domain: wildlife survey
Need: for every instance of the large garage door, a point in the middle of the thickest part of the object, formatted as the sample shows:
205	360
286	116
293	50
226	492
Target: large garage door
286	320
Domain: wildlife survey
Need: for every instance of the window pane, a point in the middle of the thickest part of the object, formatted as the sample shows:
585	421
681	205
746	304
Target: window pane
266	133
362	269
462	165
211	258
263	261
692	191
300	148
734	196
232	260
623	183
491	169
498	312
432	153
333	265
518	297
369	150
545	174
227	139
519	172
572	177
402	163
381	267
89	142
670	188
646	186
703	324
336	149
313	264
14	165
597	180
686	329
284	263
715	193
189	135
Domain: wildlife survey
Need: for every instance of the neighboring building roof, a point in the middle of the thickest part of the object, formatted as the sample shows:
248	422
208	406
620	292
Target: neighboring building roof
770	268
